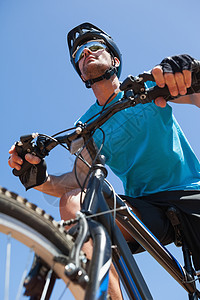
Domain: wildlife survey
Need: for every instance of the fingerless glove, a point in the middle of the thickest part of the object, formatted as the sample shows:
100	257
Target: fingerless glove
35	175
177	63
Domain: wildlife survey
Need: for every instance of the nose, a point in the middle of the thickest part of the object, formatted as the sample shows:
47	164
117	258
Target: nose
86	51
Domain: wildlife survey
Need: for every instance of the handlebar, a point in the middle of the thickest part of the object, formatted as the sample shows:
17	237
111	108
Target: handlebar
135	92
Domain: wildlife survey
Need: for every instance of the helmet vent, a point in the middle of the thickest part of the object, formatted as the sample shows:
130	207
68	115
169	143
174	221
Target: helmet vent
77	35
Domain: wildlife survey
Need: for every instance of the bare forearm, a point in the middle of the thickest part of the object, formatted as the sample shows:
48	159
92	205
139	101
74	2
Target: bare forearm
189	99
195	99
58	185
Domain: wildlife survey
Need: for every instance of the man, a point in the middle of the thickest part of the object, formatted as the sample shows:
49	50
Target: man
143	145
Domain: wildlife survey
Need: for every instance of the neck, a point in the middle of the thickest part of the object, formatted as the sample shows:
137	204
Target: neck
105	88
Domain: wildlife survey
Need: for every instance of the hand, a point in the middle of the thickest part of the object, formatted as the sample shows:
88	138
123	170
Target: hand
175	72
15	161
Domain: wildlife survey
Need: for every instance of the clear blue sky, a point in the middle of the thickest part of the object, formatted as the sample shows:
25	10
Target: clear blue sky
40	92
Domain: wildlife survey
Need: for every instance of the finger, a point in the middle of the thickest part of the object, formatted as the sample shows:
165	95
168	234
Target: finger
171	83
15	161
187	78
14	165
15	158
12	149
157	73
32	159
161	102
180	82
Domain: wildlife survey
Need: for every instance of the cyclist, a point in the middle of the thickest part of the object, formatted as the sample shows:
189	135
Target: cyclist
144	145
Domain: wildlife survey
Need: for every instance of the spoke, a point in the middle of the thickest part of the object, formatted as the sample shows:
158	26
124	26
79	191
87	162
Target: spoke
24	275
7	275
46	284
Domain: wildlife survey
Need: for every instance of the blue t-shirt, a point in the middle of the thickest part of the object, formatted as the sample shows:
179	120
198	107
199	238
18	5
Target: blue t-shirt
146	148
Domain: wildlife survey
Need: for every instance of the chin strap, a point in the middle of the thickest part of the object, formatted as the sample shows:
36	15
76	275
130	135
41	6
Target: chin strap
107	75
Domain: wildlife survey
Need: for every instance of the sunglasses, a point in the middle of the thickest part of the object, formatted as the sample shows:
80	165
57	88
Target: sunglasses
92	46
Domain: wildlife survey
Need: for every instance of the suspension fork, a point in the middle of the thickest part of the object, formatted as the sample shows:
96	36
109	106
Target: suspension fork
95	280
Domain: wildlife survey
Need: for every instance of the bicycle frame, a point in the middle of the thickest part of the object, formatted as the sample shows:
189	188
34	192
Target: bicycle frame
100	198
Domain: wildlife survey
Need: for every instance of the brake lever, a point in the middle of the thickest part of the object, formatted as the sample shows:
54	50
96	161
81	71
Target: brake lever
155	91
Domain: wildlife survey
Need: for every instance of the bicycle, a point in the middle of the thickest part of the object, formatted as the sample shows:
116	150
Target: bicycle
61	250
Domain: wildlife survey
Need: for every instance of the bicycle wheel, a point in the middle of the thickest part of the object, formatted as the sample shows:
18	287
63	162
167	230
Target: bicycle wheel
30	225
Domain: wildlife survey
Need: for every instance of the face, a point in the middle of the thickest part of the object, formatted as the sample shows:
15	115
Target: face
93	62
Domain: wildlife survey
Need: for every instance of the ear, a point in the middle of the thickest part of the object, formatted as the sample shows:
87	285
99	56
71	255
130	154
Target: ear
116	62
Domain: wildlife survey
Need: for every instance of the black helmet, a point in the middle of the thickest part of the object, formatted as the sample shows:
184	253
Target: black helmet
85	32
